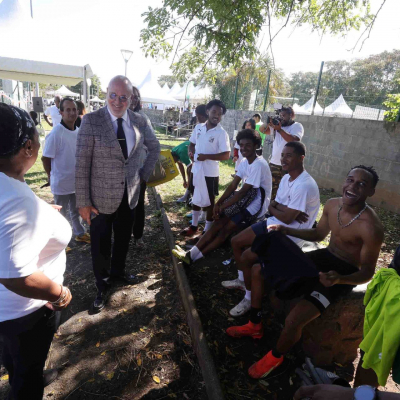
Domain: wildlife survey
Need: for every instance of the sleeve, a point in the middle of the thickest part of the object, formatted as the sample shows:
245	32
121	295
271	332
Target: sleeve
153	151
50	145
297	130
20	253
254	178
242	169
299	198
224	143
236	146
47	112
193	136
83	166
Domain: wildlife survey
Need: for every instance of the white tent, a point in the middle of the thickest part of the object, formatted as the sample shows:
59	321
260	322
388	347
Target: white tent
339	108
175	89
201	94
166	88
95	99
186	90
65	92
307	108
151	92
297	108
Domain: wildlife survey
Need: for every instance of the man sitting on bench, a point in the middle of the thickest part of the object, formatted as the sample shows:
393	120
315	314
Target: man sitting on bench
236	208
296	205
318	277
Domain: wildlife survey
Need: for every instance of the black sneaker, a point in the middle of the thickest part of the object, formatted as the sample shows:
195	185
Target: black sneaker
100	301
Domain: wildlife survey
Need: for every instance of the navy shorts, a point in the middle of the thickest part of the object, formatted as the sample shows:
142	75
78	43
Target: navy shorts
243	218
260	228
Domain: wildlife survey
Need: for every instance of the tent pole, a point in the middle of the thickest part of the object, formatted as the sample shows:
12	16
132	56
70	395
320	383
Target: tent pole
317	90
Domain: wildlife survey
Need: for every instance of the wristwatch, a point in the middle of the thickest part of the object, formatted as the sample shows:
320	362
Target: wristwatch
366	392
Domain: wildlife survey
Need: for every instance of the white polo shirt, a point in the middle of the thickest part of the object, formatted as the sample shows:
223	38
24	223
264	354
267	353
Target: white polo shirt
54	113
213	141
130	134
295	129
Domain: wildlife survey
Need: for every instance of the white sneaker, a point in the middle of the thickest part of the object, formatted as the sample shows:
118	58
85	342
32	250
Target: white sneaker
242	308
182	199
235	284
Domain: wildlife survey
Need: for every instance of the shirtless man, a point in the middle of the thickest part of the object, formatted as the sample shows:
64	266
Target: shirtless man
349	260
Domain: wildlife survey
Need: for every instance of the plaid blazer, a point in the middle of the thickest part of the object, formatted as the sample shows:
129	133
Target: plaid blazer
101	169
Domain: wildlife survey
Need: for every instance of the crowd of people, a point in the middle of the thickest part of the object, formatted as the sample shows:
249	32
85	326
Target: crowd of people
98	164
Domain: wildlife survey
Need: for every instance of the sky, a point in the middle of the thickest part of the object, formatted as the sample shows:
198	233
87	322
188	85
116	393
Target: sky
79	32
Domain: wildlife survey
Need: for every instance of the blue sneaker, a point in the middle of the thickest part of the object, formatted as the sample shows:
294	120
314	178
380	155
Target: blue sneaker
189	215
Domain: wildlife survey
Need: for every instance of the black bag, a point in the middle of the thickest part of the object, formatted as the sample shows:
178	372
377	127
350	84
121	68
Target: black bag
244	202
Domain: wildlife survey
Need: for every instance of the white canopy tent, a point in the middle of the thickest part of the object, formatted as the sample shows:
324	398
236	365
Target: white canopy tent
151	92
297	108
307	108
65	92
186	90
175	89
166	88
95	99
201	95
339	108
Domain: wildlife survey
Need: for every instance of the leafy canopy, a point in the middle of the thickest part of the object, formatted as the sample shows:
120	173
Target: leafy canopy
200	32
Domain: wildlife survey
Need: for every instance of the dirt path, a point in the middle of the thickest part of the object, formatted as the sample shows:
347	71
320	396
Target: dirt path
139	347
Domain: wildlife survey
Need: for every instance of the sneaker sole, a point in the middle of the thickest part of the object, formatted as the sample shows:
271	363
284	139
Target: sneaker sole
234	287
238	315
255	336
267	373
180	257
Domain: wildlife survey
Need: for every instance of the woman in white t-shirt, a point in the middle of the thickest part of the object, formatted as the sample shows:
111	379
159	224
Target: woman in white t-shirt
33	237
237	155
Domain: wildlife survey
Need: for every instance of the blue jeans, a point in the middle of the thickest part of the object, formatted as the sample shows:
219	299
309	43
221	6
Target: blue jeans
68	201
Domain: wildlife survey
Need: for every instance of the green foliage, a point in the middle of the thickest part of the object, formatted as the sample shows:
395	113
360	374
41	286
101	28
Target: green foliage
393	107
95	88
223	33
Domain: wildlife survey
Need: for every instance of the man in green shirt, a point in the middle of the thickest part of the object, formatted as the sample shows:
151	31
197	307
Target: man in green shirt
257	118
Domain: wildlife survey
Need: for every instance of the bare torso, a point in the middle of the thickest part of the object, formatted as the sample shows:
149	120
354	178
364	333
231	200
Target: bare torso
346	243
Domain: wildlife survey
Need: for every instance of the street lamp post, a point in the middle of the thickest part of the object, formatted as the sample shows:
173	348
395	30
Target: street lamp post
126	54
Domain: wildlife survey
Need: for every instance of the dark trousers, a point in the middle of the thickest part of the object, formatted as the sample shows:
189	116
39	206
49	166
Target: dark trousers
104	264
138	224
27	341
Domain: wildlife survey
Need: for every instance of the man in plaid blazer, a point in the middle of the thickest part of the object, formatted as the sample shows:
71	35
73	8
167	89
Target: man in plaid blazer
108	180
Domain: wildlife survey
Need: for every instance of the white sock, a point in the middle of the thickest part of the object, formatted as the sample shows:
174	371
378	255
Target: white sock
247	296
194	251
208	225
199	255
195	217
240	275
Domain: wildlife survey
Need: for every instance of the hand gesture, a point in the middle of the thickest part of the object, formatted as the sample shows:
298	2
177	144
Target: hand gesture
201	157
85	213
216	211
324	392
56	207
234	159
278	228
302	217
329	279
185	185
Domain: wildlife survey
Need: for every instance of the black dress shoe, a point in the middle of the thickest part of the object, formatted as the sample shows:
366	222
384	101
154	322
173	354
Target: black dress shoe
49	376
100	301
126	278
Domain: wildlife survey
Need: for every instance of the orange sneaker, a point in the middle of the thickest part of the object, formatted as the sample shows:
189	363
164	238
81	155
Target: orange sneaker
265	366
253	330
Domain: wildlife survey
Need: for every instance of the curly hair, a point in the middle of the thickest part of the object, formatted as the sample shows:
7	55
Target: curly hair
250	134
217	103
371	170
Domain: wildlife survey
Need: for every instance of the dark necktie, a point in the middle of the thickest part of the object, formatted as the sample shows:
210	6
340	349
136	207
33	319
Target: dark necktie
121	138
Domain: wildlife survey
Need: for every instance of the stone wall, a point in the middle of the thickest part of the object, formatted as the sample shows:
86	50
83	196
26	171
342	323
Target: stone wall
156	117
336	144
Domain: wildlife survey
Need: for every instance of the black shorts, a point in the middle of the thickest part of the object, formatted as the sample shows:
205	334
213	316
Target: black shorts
211	182
322	296
293	273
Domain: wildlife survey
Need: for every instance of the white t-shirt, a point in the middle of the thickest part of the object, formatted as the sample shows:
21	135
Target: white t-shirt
302	194
258	175
213	141
295	129
33	237
55	115
60	146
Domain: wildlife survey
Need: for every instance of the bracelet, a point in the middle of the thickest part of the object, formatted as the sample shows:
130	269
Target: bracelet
62	300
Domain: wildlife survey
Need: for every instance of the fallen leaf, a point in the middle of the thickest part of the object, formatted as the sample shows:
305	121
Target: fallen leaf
56	336
109	376
98	344
142	330
173	395
159	356
90	380
156	379
229	352
103	353
80	320
139	361
101	373
4	378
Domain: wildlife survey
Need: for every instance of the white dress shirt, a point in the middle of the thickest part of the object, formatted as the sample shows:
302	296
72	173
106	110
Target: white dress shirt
130	134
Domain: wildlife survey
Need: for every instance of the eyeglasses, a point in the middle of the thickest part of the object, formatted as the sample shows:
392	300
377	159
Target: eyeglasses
122	99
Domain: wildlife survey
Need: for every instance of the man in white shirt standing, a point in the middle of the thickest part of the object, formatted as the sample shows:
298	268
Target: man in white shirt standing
54	113
296	205
209	144
59	163
286	130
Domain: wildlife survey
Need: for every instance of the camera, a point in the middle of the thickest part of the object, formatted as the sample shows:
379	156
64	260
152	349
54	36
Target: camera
275	120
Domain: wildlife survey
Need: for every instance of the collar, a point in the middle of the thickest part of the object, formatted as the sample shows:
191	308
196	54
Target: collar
215	127
66	127
125	117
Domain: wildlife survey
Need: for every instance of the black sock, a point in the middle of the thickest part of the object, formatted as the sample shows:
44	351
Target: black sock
276	353
255	315
194	227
